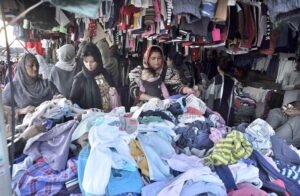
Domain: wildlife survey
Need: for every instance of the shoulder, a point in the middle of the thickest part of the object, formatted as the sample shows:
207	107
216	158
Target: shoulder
135	73
137	69
171	73
79	76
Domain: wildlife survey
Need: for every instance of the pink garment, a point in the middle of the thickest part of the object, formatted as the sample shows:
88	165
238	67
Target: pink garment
216	135
163	87
281	184
247	189
216	34
156	4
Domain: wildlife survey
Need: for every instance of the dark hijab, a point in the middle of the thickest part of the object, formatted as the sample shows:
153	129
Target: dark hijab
28	90
90	95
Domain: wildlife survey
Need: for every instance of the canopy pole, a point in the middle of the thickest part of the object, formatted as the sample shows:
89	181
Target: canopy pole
11	92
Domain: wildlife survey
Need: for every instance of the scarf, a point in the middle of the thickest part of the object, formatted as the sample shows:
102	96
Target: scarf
30	91
93	94
66	57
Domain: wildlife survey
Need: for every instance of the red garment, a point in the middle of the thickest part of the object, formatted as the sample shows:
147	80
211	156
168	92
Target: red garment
194	111
273	40
249	29
156	4
37	45
247	189
40	160
126	13
92	28
281	184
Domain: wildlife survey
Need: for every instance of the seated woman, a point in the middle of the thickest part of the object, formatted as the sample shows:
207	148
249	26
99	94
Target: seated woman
220	93
91	86
62	74
29	88
154	59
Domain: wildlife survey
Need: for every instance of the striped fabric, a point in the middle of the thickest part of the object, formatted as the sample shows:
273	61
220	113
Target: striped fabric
289	171
230	149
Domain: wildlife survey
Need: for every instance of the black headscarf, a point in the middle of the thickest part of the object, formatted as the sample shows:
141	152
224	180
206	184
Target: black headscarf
85	90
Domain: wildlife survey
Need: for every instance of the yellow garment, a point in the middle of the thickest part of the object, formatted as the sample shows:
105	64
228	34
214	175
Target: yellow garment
230	149
139	156
136	20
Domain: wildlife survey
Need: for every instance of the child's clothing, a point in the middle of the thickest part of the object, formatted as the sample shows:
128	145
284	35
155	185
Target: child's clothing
154	87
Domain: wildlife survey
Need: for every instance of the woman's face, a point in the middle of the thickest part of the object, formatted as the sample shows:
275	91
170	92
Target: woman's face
155	60
32	67
90	63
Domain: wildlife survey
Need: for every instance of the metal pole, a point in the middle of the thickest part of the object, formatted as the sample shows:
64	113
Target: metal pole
5	180
11	90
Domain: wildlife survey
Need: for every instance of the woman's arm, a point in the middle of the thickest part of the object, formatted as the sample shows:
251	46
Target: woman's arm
174	84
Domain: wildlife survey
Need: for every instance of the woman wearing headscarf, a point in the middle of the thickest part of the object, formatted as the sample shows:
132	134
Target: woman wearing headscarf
154	59
29	88
92	86
62	74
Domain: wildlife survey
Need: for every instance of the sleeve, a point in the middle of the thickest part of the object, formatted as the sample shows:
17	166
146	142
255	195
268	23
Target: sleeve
75	93
6	96
53	88
134	79
173	81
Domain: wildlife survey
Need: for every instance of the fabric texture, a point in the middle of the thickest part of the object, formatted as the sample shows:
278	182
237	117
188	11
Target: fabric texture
109	149
260	132
156	149
230	149
122	182
283	152
188	8
28	91
267	170
247	189
226	176
52	145
40	179
139	156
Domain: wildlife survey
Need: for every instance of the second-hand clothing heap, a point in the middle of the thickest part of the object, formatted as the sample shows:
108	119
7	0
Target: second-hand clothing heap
153	153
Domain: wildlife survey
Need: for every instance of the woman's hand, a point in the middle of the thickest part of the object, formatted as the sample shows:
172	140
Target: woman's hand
187	90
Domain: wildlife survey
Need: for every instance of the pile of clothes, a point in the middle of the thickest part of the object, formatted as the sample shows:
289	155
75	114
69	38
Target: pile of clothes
176	146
